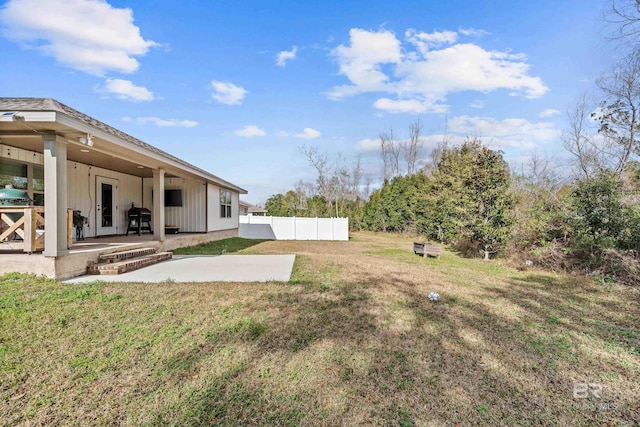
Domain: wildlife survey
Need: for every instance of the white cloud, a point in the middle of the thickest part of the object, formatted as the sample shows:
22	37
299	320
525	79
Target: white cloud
162	122
286	55
250	131
361	61
477	104
87	35
473	32
549	112
411	106
126	90
308	133
425	41
511	132
227	92
423	77
368	145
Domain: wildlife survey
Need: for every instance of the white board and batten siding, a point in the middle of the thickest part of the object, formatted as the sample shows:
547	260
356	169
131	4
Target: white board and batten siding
199	213
191	216
215	221
293	228
81	193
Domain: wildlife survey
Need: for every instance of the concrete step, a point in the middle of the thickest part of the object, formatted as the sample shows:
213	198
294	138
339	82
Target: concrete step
124	255
128	264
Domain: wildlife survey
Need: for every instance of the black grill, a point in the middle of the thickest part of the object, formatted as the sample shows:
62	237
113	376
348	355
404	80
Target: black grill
139	220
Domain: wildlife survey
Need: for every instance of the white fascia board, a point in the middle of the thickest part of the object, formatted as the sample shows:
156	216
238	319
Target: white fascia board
28	116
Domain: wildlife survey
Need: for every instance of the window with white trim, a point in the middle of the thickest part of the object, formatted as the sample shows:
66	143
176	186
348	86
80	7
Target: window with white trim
225	204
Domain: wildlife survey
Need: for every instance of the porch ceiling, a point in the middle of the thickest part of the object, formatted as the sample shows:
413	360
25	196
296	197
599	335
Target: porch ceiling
25	120
98	155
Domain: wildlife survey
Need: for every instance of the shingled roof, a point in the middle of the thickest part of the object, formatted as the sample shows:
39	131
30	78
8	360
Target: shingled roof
50	104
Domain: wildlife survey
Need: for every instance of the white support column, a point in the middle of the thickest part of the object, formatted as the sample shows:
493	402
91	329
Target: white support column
157	220
55	196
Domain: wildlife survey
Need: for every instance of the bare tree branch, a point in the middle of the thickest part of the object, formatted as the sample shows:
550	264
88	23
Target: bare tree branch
625	16
413	146
619	116
384	153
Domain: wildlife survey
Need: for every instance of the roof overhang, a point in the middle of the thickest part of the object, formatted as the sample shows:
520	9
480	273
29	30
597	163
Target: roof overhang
23	122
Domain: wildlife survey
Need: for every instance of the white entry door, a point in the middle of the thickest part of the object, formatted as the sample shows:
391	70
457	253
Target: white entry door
106	206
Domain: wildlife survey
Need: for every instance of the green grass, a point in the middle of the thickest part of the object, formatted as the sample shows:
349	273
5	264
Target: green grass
219	247
351	340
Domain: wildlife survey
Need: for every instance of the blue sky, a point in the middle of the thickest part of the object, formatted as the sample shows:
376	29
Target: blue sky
238	87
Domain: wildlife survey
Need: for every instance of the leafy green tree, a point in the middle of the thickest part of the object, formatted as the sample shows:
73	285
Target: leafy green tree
448	211
275	205
470	197
601	216
492	200
395	207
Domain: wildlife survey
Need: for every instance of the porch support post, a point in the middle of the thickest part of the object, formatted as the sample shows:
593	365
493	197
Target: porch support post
158	205
55	196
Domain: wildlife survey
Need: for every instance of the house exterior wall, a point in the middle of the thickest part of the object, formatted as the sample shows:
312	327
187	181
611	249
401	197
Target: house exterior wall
81	193
201	203
191	216
214	221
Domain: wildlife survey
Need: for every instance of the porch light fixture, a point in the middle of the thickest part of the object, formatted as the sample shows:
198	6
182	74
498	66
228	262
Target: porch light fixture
88	140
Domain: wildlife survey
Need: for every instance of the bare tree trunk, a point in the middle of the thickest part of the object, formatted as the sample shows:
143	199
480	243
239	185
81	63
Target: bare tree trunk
384	153
579	141
356	177
412	147
394	151
439	149
390	152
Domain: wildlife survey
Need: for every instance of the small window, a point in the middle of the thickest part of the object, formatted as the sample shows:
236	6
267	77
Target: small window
225	204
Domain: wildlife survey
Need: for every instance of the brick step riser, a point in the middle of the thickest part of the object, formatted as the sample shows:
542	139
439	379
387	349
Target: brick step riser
130	265
124	255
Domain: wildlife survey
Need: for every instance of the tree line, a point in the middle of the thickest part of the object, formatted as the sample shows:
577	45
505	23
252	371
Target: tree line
467	196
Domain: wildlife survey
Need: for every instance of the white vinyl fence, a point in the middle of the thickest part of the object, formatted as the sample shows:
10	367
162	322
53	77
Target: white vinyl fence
292	228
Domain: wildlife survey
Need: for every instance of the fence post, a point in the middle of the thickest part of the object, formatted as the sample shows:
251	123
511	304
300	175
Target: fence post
29	231
333	237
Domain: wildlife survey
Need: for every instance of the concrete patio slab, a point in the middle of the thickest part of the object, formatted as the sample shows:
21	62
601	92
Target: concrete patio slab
207	268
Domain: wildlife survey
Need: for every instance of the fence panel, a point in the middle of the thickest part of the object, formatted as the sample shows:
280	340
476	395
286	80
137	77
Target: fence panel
291	228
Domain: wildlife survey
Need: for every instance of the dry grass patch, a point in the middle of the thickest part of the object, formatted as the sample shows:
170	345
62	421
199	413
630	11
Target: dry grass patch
352	340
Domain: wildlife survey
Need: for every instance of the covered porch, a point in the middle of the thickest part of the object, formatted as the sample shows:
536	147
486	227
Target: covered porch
82	253
67	161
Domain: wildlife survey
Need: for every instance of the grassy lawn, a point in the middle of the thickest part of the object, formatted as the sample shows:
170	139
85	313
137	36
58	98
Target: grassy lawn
351	340
218	247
